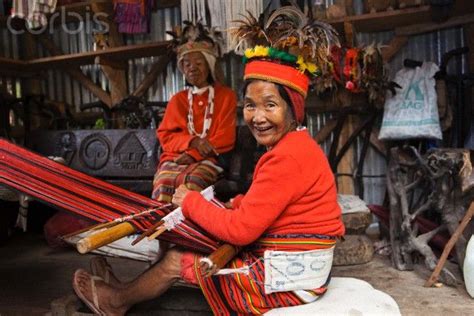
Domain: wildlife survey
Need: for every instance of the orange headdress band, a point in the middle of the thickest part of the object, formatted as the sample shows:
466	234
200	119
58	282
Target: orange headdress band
277	73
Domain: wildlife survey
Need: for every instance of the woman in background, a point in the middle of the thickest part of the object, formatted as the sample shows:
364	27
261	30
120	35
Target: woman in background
199	123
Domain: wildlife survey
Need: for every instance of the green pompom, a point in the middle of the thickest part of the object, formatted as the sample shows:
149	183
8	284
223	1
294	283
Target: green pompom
99	124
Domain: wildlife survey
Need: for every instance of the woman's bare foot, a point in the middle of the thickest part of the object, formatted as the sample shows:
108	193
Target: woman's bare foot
100	297
101	268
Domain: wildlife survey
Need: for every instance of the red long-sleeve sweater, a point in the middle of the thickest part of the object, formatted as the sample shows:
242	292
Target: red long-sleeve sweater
293	191
173	131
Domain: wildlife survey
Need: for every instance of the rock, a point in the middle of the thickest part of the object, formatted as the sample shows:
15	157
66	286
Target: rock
357	223
355	249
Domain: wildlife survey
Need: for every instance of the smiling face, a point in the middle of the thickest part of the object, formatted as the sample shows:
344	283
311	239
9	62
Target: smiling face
266	113
195	69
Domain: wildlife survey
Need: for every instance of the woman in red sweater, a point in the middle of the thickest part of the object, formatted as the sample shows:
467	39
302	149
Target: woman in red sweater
287	223
198	125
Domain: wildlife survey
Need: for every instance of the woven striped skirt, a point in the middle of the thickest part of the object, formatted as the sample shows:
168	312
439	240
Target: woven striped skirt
242	294
196	176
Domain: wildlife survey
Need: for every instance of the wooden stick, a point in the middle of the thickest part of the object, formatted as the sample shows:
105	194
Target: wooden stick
447	249
105	237
147	232
220	257
157	233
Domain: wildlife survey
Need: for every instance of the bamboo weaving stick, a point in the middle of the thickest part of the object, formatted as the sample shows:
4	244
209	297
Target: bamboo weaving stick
104	237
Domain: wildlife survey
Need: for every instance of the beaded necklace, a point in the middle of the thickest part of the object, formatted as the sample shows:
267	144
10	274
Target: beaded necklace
207	115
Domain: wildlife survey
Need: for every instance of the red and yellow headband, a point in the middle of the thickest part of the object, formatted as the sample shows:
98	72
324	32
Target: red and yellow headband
277	73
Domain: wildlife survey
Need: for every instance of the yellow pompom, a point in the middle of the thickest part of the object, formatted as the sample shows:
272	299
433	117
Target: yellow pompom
261	51
248	53
257	51
311	67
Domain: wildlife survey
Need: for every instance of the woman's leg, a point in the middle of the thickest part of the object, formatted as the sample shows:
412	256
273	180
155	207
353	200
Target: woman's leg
151	284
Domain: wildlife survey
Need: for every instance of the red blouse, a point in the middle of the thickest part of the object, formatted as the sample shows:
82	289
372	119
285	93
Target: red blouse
173	131
293	192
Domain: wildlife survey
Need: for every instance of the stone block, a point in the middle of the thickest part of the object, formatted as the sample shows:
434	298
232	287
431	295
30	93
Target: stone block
355	249
357	223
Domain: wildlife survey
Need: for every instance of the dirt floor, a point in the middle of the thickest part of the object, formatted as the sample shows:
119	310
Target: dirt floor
33	275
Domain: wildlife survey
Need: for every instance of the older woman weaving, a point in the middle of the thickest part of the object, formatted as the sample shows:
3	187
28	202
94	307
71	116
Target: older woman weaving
287	222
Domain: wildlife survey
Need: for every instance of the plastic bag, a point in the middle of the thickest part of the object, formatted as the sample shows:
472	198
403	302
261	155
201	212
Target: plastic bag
413	111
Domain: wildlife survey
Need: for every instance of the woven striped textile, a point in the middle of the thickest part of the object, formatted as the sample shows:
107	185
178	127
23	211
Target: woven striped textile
196	176
240	294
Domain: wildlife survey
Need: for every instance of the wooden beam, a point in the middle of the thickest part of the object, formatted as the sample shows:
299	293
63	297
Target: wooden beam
392	48
76	73
116	76
163	4
349	32
88	58
120	65
325	131
430	27
376	143
157	68
12	64
12	73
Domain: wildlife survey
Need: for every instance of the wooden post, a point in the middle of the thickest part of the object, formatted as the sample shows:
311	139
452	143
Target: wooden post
349	32
117	76
345	184
32	85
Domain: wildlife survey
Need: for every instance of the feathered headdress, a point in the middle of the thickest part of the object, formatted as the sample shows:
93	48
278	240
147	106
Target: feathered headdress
288	49
288	37
197	38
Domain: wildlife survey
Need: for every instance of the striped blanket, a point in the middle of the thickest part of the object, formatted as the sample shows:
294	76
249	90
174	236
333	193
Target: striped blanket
237	294
196	176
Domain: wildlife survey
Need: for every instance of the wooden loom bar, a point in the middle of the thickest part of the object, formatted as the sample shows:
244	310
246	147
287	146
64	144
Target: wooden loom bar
223	255
104	237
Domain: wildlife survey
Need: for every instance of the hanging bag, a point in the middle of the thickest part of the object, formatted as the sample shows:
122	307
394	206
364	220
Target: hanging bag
413	111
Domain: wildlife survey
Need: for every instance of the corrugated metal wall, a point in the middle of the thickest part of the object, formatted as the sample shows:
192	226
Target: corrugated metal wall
60	87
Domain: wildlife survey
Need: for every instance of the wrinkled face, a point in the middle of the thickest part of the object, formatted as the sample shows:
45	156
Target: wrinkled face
195	69
266	113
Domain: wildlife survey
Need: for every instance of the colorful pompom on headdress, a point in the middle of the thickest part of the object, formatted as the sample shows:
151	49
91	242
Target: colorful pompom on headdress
197	38
286	49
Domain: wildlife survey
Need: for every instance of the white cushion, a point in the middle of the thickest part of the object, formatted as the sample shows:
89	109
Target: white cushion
346	296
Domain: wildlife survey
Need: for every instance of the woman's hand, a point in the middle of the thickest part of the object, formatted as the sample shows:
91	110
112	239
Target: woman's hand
180	194
229	203
184	159
203	146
